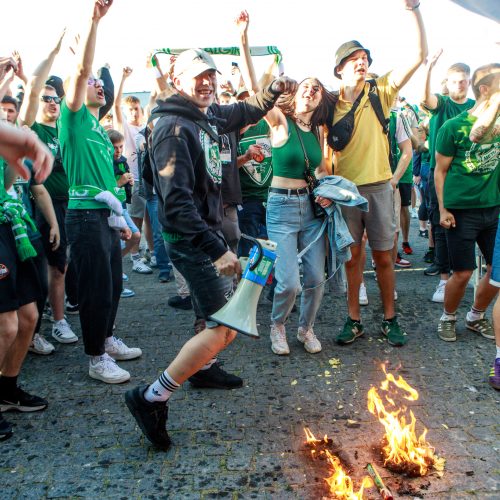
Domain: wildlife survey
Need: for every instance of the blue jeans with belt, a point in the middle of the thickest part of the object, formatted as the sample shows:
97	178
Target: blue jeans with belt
292	225
97	257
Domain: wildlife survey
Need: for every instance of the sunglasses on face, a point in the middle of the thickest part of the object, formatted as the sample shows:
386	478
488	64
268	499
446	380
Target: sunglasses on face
96	82
51	98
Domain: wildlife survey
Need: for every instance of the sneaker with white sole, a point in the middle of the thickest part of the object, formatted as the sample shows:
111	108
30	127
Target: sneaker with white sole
363	297
106	370
71	308
139	267
438	295
153	262
310	341
40	345
63	333
119	351
279	345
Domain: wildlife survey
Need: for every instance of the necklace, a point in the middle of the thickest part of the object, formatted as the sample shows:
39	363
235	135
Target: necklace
302	122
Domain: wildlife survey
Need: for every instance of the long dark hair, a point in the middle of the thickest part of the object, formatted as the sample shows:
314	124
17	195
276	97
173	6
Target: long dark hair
321	115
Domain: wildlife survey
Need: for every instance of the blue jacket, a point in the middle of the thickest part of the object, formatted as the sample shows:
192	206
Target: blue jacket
341	192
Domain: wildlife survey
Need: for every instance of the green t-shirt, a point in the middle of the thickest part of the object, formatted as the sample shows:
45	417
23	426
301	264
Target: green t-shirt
473	179
407	177
3	193
256	177
57	182
445	109
87	156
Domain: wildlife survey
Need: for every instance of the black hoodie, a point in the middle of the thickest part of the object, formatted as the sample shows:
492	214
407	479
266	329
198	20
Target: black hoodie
187	168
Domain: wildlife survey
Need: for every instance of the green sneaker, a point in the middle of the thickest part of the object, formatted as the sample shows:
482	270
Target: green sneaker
482	326
446	330
395	335
351	331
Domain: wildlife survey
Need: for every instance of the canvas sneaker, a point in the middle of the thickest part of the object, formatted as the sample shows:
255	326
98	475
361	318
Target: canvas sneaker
482	326
350	332
494	377
140	267
63	333
279	345
363	297
403	263
438	295
150	417
127	292
106	370
396	336
310	341
22	401
117	349
446	330
40	345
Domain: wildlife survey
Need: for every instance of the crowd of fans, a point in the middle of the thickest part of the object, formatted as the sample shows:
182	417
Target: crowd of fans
86	175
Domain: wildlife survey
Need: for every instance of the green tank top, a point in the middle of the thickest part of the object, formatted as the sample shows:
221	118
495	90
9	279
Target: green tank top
288	159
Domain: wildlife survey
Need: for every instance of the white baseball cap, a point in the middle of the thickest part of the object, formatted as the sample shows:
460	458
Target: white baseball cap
193	62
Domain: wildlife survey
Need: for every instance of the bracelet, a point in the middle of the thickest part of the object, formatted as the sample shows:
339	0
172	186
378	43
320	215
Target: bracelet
157	72
414	8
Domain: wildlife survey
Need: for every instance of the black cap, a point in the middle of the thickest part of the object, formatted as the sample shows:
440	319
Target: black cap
345	50
57	83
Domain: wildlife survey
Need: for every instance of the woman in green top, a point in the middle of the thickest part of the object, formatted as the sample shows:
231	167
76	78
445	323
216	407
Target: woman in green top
296	134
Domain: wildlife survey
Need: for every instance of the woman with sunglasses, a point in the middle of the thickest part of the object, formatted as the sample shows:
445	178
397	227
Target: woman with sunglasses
297	153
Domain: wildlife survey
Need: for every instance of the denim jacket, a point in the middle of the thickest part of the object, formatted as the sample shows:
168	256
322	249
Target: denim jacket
341	192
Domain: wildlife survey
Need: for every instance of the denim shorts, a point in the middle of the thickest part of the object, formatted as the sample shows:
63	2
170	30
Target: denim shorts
495	264
130	222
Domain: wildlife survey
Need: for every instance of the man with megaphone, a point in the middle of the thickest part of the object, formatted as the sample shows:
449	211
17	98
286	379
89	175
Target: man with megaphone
187	177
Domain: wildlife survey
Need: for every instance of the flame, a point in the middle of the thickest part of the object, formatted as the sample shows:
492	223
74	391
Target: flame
403	449
340	484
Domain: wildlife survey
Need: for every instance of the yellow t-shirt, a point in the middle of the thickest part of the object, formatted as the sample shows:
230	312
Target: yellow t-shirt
365	160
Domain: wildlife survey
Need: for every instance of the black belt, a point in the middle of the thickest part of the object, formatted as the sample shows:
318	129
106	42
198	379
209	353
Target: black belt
289	192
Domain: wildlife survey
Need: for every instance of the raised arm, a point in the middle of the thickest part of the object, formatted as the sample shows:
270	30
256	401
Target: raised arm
75	96
247	68
429	100
6	82
401	76
31	100
118	115
20	67
487	126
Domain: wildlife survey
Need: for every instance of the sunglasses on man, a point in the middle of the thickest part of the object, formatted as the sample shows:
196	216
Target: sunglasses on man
96	82
51	98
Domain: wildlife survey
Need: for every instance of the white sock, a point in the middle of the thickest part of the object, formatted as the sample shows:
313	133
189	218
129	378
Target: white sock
448	317
161	389
498	352
209	364
475	315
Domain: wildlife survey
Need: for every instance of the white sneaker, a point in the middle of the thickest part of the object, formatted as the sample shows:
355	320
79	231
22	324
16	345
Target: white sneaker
414	212
139	267
119	351
310	341
40	345
279	345
439	293
363	297
106	370
63	333
153	262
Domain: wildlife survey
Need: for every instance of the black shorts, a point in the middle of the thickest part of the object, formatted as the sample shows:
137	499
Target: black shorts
405	192
19	281
55	258
473	225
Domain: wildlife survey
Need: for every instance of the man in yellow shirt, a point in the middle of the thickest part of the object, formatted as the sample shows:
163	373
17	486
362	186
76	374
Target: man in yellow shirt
365	161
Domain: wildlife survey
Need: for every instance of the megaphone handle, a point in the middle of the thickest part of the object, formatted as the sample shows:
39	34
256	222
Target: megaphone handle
260	251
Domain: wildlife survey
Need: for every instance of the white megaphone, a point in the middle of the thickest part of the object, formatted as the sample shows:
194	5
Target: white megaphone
239	313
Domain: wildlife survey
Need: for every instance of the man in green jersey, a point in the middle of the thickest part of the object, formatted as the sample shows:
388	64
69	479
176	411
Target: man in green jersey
94	244
467	179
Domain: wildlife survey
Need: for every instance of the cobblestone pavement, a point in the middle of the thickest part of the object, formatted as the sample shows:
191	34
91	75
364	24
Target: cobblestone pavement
249	443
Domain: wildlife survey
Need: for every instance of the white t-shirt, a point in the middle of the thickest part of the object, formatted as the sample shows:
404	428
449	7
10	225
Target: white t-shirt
130	133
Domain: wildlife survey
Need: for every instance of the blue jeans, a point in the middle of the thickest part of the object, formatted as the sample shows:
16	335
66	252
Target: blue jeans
160	253
292	225
252	222
96	254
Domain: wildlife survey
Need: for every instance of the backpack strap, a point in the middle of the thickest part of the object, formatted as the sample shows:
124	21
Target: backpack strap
377	106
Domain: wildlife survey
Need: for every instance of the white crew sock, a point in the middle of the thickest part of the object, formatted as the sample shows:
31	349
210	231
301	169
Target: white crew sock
161	389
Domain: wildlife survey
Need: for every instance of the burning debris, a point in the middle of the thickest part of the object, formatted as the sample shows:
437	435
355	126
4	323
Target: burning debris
339	483
402	450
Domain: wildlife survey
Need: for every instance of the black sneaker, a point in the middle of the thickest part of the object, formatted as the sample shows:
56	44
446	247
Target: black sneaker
20	400
178	302
151	417
5	429
432	270
429	256
216	378
71	308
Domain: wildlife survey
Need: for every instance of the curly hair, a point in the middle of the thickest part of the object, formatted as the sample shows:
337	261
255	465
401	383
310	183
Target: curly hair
321	115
